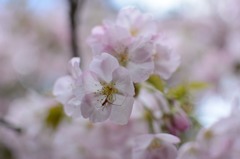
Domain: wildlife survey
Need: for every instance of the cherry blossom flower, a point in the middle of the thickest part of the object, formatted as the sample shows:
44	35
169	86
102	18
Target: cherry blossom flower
138	24
108	91
155	146
133	54
166	61
220	141
67	89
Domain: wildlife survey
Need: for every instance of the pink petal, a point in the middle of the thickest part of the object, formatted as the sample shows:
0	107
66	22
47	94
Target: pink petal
132	18
91	108
121	109
72	108
104	65
74	67
97	40
143	141
90	82
140	50
166	62
123	81
168	138
63	88
140	72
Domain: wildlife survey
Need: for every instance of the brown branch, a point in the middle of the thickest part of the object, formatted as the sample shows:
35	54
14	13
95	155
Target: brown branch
74	7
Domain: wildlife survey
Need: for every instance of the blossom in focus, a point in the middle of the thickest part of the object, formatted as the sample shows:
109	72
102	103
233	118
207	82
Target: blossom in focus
155	146
67	89
108	91
133	54
134	40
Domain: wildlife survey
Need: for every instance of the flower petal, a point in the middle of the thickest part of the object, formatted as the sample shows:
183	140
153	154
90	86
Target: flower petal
90	82
63	88
165	61
72	108
140	50
123	82
92	108
139	24
121	109
168	138
140	72
74	67
104	65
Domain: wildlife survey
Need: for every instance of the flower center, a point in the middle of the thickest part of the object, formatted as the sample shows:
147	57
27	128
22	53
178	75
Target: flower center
134	32
156	143
108	90
123	59
208	134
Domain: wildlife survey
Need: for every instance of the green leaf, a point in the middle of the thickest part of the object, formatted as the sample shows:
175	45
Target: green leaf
198	85
156	82
55	116
183	91
178	92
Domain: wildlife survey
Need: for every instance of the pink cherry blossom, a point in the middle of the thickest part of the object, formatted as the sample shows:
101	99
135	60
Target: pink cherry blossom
155	146
108	91
166	61
219	141
133	54
67	89
137	23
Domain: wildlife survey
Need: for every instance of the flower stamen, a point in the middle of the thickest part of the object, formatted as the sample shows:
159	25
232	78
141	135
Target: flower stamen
109	91
156	143
123	59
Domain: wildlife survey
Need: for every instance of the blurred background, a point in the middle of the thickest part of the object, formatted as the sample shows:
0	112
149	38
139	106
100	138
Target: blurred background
35	46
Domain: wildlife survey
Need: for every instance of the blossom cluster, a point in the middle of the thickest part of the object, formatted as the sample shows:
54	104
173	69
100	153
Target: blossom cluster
126	52
219	141
127	82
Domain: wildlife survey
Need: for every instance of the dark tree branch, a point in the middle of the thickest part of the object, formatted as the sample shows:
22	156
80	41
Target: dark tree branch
5	123
74	7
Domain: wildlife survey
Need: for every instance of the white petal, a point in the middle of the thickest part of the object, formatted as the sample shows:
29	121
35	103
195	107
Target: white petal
74	67
165	61
126	16
123	81
72	108
90	82
168	138
132	19
104	65
118	38
92	108
140	50
140	72
143	141
97	39
120	114
63	88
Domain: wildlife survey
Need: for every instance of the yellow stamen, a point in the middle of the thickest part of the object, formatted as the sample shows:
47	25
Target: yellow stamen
123	59
156	143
